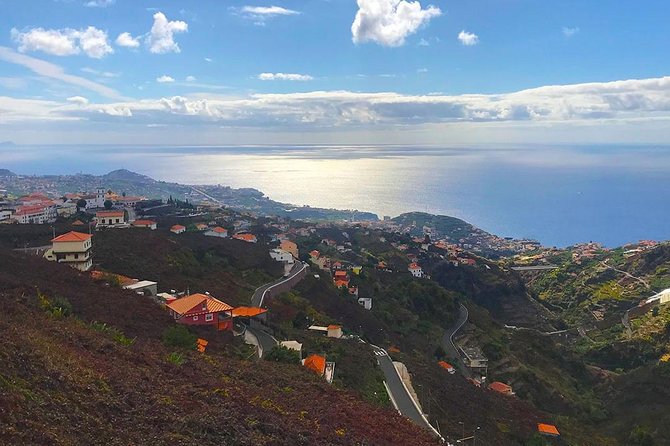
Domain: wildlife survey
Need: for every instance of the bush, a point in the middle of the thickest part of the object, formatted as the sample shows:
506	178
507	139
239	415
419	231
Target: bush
58	306
176	358
283	354
640	436
178	336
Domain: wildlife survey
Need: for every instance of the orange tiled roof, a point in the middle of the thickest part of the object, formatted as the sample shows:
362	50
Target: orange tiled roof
316	363
340	273
340	283
548	429
78	223
248	311
333	327
177	227
445	365
109	214
245	237
414	266
219	230
143	223
500	387
72	236
188	303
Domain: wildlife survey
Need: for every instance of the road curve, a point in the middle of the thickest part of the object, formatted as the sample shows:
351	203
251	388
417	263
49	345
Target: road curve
448	339
399	393
258	297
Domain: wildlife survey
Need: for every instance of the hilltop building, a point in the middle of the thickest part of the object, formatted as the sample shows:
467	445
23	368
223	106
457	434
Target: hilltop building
202	309
73	248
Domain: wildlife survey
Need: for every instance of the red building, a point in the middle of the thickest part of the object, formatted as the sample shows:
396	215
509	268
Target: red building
202	309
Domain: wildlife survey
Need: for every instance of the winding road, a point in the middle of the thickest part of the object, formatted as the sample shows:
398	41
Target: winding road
265	339
448	339
398	392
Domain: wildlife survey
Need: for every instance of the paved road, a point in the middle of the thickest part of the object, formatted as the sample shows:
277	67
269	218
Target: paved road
448	339
258	298
399	394
266	340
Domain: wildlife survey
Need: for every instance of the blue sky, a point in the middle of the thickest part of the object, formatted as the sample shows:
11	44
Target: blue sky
340	71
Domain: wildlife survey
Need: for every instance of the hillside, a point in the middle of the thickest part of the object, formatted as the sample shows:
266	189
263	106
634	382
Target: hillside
6	172
69	379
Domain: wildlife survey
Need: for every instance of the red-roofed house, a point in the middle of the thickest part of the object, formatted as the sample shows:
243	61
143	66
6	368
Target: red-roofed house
316	363
178	229
499	387
217	232
446	366
145	224
313	255
36	214
334	331
73	248
548	429
249	238
415	269
201	309
110	218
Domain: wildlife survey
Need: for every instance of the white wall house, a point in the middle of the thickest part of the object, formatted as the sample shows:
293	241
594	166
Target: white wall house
96	200
73	248
111	218
217	232
415	269
281	256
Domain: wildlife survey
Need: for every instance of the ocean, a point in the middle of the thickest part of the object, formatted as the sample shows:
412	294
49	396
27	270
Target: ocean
559	195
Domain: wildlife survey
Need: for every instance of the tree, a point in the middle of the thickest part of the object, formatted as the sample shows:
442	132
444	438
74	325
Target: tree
81	204
108	204
123	194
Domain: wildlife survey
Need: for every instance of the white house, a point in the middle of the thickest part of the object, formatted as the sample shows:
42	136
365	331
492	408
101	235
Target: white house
281	256
110	218
178	229
365	302
334	331
145	224
415	269
73	248
661	298
96	200
217	232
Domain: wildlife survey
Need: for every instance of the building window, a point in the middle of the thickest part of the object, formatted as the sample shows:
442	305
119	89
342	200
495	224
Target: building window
195	318
209	317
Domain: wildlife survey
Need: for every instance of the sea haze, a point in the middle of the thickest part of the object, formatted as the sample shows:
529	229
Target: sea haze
559	195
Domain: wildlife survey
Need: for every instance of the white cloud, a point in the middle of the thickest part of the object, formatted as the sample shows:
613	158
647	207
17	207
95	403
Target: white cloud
79	100
107	74
161	38
190	79
164	79
572	106
422	70
99	3
569	32
284	77
389	22
423	42
64	42
467	38
53	71
260	14
207	59
127	40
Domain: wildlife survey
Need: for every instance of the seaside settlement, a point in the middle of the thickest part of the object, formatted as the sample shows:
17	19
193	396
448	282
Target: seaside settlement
345	253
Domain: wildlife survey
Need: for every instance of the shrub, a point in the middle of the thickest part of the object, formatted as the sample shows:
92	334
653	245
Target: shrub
58	306
176	359
283	354
178	336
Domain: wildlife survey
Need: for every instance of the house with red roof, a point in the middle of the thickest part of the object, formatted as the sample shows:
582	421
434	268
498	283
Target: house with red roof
499	387
448	367
217	232
145	224
249	238
111	218
178	229
548	430
202	309
415	269
316	363
72	248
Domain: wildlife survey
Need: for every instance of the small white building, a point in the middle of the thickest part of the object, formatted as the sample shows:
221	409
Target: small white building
660	298
415	269
365	302
178	229
334	331
293	345
282	256
150	224
110	218
144	287
217	232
